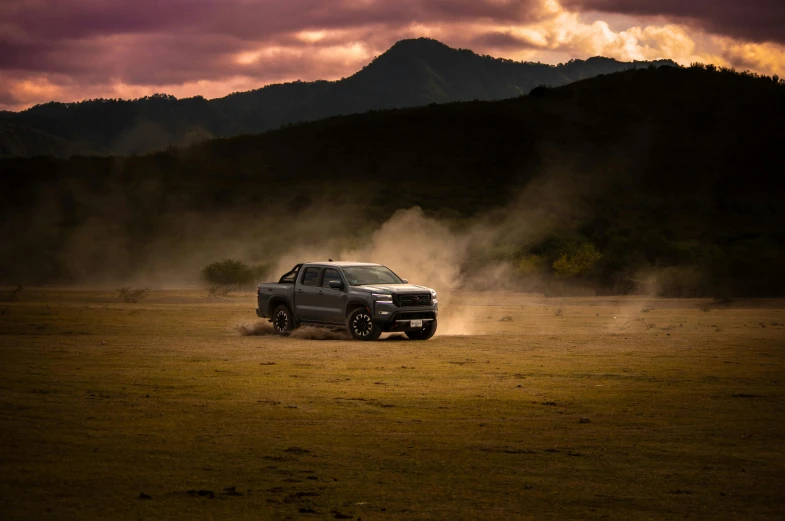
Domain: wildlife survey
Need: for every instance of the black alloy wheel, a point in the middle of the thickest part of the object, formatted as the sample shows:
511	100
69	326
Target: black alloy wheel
282	320
361	325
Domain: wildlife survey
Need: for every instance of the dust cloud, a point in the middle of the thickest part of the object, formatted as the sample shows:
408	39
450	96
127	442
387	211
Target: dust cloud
113	248
256	328
451	256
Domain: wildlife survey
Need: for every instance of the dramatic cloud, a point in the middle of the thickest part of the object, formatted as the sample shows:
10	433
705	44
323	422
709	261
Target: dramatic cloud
77	49
752	20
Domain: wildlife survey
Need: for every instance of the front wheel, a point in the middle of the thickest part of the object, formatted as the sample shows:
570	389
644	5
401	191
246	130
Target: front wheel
282	320
425	333
361	325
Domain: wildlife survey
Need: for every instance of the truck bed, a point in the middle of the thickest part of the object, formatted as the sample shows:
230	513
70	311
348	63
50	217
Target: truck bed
268	290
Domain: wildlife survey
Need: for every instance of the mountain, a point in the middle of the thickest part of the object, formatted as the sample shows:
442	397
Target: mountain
411	73
669	171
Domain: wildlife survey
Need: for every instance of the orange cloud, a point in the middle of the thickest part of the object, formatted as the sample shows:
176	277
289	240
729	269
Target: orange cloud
765	58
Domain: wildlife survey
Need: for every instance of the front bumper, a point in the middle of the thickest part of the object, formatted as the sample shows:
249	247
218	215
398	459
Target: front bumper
392	318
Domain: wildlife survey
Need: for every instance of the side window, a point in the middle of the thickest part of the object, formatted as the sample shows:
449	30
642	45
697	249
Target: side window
330	274
311	277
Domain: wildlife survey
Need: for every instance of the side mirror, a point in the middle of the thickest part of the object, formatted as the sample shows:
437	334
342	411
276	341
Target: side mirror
335	284
405	281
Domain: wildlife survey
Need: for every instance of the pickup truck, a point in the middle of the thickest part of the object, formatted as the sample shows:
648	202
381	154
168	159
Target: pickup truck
369	299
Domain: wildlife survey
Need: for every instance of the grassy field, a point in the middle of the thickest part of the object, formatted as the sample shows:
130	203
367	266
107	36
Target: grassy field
163	409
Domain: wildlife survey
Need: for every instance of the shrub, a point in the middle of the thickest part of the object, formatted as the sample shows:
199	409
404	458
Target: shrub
580	263
228	272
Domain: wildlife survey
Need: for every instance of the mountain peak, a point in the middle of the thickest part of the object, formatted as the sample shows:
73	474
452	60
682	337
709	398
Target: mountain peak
413	72
427	48
414	44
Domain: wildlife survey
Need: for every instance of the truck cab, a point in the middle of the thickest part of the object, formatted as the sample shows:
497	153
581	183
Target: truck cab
368	299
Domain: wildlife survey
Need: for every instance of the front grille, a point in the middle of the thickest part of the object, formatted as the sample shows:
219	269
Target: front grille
419	299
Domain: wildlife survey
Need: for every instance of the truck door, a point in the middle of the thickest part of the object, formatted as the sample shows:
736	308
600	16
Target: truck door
333	300
306	295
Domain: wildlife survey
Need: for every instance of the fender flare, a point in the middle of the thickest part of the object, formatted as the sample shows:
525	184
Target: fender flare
275	302
354	304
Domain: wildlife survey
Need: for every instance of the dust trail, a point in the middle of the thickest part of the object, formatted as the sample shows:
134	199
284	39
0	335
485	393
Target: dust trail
265	328
258	328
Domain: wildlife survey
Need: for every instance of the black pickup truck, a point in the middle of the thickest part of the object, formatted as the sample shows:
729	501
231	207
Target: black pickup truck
369	299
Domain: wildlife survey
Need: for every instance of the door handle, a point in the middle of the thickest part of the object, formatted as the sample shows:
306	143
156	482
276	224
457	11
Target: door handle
321	293
299	291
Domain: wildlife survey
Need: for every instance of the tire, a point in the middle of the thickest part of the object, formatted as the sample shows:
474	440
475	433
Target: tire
282	320
425	333
361	325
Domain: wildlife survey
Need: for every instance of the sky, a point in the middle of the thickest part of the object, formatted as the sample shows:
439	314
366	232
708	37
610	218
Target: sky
70	50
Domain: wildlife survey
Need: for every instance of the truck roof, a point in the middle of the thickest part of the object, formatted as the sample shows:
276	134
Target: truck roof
340	264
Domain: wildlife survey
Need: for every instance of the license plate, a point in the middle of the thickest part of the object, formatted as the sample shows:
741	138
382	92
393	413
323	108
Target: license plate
415	323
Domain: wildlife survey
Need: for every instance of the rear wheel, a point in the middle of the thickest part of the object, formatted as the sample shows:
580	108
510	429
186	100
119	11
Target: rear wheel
425	333
361	325
282	320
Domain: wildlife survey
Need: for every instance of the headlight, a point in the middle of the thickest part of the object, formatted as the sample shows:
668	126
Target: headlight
381	297
433	293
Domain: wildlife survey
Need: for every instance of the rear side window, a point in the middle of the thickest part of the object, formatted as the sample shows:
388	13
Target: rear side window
330	274
311	277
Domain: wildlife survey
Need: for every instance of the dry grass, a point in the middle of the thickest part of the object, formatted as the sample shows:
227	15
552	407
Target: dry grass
103	401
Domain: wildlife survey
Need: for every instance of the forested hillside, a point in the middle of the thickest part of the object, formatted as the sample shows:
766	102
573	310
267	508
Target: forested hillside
412	73
671	171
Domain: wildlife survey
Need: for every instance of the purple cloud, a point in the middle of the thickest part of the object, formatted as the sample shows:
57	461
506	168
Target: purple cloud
77	49
59	19
753	20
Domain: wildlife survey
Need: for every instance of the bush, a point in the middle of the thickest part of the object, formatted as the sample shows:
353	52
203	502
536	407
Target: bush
580	263
228	272
233	273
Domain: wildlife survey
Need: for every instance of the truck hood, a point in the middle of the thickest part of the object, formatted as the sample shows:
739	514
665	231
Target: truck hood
394	288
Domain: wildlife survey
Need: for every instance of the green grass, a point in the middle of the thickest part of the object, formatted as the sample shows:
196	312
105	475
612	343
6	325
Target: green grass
101	401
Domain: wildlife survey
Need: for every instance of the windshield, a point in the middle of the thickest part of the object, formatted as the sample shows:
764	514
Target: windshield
360	275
